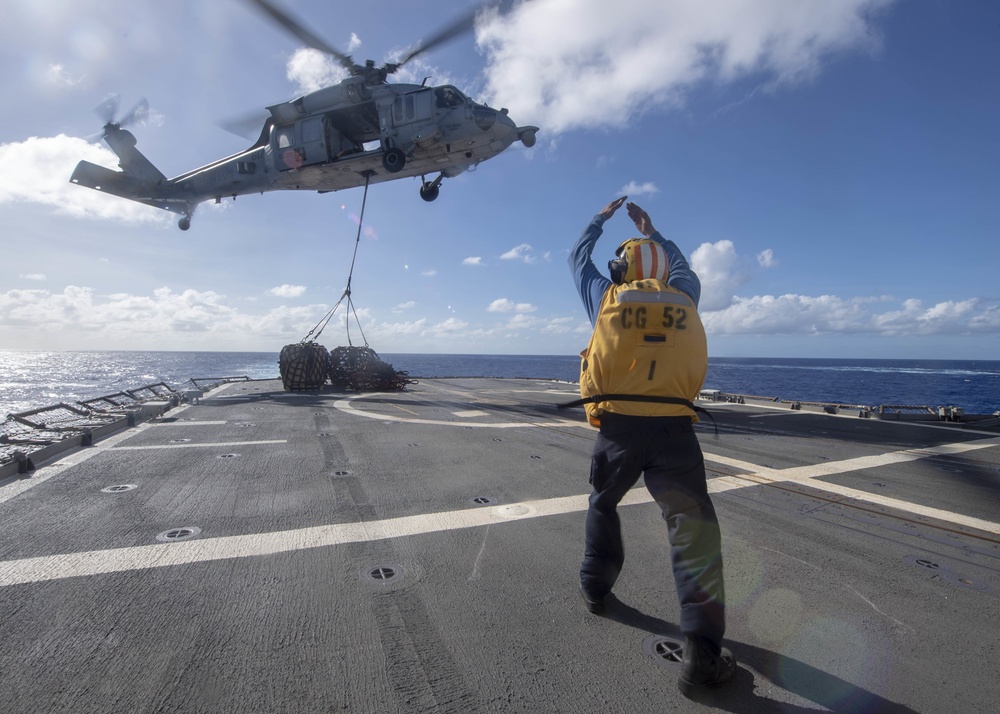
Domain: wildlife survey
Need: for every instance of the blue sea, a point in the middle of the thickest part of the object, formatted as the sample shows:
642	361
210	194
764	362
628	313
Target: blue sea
29	380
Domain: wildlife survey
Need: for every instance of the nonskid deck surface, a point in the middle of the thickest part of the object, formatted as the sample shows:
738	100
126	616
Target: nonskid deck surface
265	551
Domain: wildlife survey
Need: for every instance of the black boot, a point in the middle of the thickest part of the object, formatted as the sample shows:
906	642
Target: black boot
594	605
702	669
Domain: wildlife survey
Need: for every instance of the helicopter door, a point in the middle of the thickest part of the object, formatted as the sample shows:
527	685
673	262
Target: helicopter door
314	146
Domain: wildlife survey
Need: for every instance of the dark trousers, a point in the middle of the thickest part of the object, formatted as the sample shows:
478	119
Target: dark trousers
666	451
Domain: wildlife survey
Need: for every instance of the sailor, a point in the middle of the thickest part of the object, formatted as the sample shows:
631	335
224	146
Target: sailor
639	375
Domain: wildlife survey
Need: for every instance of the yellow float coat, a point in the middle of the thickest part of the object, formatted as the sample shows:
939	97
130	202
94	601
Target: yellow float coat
648	341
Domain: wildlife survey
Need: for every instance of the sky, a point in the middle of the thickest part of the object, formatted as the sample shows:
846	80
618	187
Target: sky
830	168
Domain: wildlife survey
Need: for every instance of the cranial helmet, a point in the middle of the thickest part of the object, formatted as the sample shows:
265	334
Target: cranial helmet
638	259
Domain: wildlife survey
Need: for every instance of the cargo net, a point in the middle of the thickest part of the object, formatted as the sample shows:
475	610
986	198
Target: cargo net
303	366
361	369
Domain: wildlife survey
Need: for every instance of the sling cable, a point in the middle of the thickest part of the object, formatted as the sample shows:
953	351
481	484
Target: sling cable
307	365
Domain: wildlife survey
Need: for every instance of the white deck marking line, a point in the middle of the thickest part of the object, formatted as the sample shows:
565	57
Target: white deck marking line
785	411
345	405
56	567
189	422
206	444
808	475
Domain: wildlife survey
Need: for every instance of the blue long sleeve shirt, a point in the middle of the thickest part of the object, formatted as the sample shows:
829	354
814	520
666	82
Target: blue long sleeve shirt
591	284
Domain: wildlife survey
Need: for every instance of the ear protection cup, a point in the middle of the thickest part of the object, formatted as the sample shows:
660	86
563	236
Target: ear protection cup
618	267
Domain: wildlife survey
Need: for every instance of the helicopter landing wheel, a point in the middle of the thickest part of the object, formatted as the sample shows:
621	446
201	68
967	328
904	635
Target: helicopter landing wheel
393	160
184	223
429	192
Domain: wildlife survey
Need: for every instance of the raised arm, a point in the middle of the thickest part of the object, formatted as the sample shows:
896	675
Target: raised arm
681	275
590	283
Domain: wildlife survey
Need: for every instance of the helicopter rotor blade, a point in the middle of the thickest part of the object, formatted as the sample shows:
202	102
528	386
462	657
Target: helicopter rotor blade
460	26
108	112
247	125
296	28
107	109
137	114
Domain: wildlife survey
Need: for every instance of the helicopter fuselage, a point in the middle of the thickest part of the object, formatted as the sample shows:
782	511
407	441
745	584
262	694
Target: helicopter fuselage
343	136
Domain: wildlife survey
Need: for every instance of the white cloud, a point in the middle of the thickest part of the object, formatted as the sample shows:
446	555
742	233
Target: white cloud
451	325
787	314
614	66
522	322
951	317
111	321
524	253
473	260
638	189
987	320
518	252
40	277
206	319
721	271
429	273
311	69
505	305
829	314
406	305
37	170
560	326
288	291
59	77
395	329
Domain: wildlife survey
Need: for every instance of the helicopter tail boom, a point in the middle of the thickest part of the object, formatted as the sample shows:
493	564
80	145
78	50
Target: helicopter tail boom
138	180
119	183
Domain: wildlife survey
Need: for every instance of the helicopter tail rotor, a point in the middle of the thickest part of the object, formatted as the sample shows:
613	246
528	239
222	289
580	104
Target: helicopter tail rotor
108	110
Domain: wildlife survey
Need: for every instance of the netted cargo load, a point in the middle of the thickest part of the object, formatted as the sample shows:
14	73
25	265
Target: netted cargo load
303	366
361	369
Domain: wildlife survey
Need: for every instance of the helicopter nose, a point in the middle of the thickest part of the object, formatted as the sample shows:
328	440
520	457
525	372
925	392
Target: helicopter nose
525	134
507	122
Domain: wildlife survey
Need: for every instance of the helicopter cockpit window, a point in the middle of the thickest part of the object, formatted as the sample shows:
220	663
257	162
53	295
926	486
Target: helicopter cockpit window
448	97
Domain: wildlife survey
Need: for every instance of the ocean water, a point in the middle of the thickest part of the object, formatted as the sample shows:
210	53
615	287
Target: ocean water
30	380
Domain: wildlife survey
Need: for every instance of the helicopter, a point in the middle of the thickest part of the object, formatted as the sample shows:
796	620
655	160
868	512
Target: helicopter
363	130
